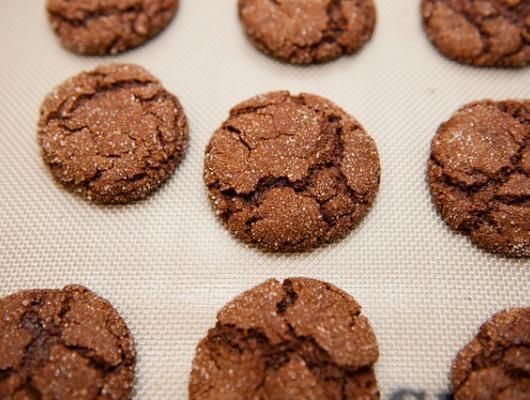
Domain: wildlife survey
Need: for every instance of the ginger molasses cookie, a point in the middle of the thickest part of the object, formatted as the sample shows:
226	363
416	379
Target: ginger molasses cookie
308	31
496	364
289	173
303	339
489	33
479	174
113	134
98	27
64	344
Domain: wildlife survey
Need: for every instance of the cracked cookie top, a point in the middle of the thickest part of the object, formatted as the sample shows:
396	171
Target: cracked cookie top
303	339
113	134
496	364
98	27
490	33
308	31
289	173
479	174
64	344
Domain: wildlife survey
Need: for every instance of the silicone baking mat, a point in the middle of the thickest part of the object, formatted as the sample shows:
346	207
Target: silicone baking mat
167	264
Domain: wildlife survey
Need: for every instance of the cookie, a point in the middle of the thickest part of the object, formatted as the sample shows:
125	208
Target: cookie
95	27
496	364
289	173
479	175
113	134
308	31
487	33
64	344
303	339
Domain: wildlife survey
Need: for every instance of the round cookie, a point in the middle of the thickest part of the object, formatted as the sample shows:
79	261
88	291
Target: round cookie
496	364
96	27
488	33
64	344
303	339
289	173
113	134
308	31
479	175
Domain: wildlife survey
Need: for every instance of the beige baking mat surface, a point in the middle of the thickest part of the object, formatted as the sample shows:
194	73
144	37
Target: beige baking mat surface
168	265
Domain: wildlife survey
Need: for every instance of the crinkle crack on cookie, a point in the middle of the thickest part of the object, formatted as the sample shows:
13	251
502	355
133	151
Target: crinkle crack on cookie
99	27
114	134
303	339
308	31
63	345
289	173
479	175
496	364
489	33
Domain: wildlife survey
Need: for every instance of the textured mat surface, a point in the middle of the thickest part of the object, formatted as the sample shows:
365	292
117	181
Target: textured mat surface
168	265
